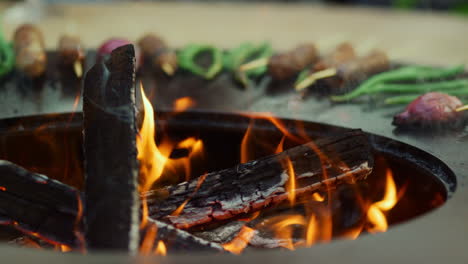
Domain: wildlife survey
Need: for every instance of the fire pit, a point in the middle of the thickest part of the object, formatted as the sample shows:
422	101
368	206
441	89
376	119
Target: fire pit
422	182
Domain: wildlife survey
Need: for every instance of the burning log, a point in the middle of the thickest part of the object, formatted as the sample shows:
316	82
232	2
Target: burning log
251	186
49	210
37	205
112	205
177	240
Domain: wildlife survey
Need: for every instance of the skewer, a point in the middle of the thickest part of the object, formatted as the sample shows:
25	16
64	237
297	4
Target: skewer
462	108
78	68
312	78
168	69
254	64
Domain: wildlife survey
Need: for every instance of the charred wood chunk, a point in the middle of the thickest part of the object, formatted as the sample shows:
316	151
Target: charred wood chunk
33	203
175	240
48	211
264	182
111	167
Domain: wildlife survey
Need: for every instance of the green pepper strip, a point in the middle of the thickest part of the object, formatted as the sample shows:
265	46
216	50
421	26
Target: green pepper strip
302	75
262	51
410	73
7	57
235	57
186	58
420	87
406	99
246	51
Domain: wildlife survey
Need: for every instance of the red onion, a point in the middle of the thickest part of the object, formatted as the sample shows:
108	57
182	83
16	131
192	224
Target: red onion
431	109
107	47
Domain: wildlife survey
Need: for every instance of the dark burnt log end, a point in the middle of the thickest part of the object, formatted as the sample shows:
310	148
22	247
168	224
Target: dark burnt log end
177	240
35	204
111	167
262	183
47	211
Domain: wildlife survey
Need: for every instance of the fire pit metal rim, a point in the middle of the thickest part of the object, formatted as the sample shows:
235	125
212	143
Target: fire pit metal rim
241	121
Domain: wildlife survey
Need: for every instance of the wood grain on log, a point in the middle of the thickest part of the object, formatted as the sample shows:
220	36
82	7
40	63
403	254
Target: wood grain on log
33	203
261	183
48	210
111	166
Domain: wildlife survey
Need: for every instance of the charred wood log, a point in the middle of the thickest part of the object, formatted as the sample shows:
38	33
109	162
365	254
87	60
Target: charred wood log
177	240
111	166
35	204
262	183
340	211
48	210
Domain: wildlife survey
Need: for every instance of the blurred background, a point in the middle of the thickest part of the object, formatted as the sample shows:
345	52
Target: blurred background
422	31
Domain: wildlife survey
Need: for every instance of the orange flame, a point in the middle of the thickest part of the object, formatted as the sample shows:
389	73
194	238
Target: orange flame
155	160
77	231
28	242
376	213
181	207
311	234
152	159
149	239
195	146
64	248
240	242
280	146
276	122
245	153
291	187
161	249
183	103
318	197
283	227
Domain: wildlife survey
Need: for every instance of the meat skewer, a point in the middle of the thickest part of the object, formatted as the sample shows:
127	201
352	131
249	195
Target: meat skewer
71	54
285	65
350	71
29	47
156	50
462	108
343	53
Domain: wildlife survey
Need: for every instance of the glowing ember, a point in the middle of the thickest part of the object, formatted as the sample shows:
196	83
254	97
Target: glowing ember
161	249
376	213
182	104
318	197
240	242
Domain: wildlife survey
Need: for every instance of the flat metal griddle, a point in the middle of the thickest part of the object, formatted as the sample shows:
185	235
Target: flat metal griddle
438	236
